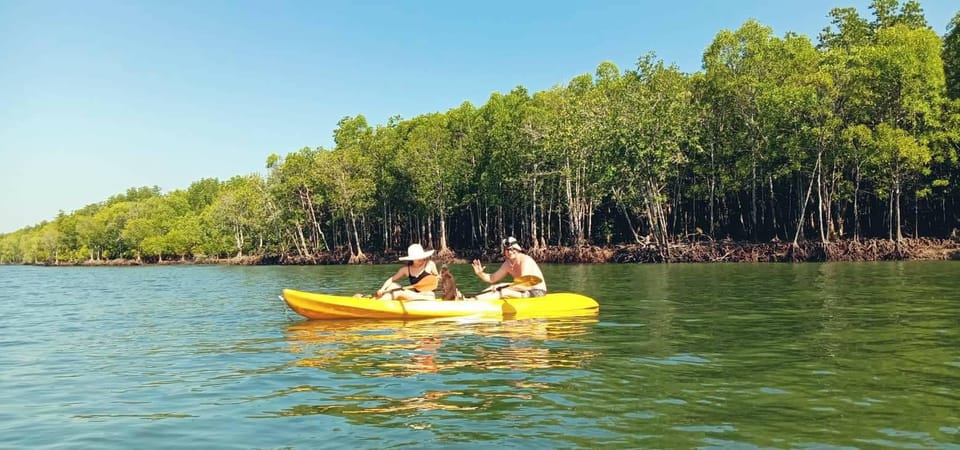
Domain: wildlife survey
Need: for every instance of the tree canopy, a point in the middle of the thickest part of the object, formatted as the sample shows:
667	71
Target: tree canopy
853	136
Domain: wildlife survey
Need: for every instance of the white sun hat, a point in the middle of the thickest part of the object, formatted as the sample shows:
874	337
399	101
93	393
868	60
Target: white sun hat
415	253
511	242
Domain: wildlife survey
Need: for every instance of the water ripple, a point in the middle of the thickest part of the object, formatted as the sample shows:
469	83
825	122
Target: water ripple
690	356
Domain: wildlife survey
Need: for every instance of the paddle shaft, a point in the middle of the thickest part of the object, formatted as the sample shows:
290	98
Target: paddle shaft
405	288
526	281
419	284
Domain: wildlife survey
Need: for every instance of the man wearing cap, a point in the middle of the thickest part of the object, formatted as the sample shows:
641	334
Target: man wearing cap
517	264
419	270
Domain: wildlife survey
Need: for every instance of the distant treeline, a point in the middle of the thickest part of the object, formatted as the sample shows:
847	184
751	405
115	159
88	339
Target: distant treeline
777	138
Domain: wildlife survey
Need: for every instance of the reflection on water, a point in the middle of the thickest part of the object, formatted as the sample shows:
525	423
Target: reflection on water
396	348
461	351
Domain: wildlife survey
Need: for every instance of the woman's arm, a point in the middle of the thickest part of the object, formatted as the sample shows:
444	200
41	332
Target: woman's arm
390	281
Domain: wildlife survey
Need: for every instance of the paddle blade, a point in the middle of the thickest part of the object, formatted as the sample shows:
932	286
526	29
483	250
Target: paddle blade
526	280
427	283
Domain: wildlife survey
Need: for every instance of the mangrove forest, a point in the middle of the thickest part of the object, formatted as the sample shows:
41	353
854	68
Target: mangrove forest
804	143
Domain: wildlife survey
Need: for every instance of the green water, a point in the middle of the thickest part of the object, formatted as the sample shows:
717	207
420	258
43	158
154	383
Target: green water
862	355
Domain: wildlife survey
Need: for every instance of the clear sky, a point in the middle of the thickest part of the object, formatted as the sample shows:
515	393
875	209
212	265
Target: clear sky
99	96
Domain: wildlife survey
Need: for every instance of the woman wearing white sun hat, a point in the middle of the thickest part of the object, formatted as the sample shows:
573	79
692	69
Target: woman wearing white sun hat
421	273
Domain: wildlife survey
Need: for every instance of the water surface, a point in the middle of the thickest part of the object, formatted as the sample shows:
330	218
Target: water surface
835	355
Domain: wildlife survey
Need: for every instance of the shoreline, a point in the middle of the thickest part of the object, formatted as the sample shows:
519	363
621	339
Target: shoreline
923	249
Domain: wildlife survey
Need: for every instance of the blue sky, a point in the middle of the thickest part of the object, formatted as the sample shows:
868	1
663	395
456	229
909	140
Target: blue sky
100	96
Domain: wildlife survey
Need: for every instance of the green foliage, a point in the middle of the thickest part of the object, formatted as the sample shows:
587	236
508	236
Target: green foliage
847	29
951	57
889	13
201	193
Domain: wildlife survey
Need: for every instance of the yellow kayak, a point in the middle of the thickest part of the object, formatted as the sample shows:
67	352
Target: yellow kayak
323	306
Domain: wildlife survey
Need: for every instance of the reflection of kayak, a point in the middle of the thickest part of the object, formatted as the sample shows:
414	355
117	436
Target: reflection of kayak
548	326
399	348
324	306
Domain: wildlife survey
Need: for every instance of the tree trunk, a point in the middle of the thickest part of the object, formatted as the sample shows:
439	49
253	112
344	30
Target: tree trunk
300	241
899	230
534	232
856	205
443	230
820	208
803	207
753	195
356	236
237	235
618	196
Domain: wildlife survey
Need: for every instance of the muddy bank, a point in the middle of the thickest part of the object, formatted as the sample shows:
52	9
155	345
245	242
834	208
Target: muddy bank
867	250
695	252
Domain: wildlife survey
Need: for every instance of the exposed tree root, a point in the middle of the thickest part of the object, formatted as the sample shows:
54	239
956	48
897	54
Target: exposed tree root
693	252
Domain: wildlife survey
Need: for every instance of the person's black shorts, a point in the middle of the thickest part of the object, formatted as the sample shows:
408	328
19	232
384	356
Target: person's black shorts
534	293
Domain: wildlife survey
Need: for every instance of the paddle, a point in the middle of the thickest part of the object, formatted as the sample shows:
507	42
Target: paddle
526	281
428	282
521	281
